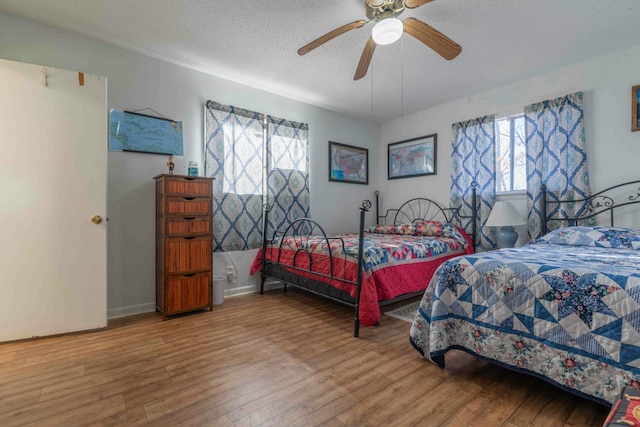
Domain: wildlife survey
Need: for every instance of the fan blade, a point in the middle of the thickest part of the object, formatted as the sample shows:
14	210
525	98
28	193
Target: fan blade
365	59
412	4
433	38
330	35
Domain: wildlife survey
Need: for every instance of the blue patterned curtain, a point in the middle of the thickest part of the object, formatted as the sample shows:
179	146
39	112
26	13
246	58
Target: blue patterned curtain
234	157
287	171
557	157
254	158
474	159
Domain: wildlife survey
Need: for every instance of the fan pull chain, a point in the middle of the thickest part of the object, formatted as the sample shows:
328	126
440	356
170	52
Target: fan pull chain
402	77
371	88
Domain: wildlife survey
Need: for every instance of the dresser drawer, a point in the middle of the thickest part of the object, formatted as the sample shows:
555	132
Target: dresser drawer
184	243
187	206
188	226
187	292
187	254
192	186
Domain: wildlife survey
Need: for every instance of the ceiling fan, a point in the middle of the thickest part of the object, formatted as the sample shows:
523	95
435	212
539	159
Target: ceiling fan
388	29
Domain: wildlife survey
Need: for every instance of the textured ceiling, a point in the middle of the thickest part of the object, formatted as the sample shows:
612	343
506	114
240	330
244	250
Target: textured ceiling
254	42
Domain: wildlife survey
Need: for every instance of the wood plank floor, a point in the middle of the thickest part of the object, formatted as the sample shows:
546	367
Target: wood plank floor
271	360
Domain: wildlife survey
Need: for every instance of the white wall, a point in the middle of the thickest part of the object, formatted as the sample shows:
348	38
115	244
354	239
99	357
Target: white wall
136	82
613	150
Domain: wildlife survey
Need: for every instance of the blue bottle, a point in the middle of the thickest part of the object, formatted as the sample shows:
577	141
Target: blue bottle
193	168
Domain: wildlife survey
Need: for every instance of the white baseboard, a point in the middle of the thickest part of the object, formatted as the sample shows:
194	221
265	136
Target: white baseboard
131	310
272	284
149	307
269	285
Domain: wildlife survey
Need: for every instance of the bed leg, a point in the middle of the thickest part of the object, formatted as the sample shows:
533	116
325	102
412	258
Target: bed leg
366	204
439	360
265	226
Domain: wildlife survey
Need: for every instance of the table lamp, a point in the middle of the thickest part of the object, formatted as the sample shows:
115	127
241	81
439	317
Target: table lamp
505	216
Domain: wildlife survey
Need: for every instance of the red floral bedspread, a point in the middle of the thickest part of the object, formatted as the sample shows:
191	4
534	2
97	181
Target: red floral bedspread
393	264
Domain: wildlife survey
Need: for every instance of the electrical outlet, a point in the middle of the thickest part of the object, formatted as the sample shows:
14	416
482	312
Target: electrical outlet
231	273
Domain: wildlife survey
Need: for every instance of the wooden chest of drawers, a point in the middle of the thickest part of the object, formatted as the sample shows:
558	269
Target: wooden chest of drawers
183	244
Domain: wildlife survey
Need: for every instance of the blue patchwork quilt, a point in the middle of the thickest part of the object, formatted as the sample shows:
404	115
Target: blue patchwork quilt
565	308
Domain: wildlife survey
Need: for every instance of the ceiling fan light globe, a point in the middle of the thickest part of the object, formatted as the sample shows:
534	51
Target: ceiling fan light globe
387	31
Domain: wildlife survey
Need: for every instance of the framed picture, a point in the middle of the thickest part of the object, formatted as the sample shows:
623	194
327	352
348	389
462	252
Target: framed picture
413	157
635	108
348	163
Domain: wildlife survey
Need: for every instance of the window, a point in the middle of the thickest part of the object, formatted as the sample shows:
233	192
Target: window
255	159
243	157
511	174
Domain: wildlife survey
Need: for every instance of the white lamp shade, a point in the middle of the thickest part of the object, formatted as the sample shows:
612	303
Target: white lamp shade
504	214
387	31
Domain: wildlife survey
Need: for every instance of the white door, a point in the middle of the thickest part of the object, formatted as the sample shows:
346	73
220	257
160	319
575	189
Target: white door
53	142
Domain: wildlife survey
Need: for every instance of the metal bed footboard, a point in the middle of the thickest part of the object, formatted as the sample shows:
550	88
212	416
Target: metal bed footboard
315	281
308	269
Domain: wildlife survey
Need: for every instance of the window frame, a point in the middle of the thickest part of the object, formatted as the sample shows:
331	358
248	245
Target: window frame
511	116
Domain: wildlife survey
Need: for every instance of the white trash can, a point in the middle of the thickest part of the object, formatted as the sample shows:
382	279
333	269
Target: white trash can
219	284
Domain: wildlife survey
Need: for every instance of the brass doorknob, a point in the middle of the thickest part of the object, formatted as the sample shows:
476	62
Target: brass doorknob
96	219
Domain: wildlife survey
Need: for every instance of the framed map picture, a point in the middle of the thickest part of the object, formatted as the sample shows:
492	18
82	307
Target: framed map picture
348	163
635	108
131	131
413	157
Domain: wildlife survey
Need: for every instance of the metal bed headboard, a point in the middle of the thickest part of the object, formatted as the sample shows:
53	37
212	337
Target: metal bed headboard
423	209
605	201
416	209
